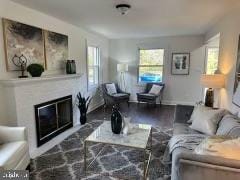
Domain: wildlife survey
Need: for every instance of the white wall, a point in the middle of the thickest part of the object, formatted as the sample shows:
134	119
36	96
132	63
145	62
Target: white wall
229	29
179	89
77	43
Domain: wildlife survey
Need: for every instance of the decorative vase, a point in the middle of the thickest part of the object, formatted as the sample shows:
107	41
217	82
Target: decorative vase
83	118
83	104
116	121
68	67
126	125
35	74
35	70
71	67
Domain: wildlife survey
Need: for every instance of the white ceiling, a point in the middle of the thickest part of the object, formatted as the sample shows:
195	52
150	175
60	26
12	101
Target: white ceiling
147	18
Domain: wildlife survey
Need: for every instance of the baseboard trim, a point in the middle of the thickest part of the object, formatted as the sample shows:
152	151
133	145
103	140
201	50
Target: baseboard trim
168	102
178	102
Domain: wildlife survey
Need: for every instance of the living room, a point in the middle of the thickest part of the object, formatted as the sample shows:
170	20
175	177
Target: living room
148	68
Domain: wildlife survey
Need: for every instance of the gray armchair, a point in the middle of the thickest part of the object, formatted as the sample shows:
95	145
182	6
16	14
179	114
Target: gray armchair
114	99
150	98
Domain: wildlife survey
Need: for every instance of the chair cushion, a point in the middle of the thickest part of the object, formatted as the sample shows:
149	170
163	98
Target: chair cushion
146	96
155	90
11	154
120	95
111	88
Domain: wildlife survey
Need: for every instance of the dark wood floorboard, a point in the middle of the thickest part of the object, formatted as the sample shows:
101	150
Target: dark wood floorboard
161	116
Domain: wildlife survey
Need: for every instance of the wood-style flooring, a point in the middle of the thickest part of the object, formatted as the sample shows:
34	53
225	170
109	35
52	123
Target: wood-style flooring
161	116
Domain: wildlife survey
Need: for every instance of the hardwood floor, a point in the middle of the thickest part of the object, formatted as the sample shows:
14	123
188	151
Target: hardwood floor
161	116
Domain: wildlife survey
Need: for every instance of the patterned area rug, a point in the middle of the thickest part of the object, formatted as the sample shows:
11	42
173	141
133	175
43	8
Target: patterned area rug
65	160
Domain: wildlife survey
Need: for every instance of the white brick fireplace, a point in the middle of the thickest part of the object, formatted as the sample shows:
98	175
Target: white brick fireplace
20	96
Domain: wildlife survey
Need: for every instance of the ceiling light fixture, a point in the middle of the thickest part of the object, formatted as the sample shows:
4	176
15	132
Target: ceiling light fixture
123	8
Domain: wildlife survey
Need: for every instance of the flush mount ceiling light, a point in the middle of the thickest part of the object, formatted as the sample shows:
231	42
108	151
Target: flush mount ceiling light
123	8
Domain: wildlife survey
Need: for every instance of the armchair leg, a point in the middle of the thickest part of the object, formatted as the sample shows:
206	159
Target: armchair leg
128	103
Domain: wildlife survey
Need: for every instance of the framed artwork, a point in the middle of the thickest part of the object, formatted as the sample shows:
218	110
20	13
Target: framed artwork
21	39
56	50
180	63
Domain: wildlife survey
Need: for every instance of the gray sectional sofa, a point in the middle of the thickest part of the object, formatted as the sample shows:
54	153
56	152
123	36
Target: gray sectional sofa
189	166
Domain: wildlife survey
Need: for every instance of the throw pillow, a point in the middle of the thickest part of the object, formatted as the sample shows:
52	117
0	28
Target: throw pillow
155	89
197	111
228	125
207	121
111	88
220	146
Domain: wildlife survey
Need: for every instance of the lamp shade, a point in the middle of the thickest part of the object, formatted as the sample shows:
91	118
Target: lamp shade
122	67
215	81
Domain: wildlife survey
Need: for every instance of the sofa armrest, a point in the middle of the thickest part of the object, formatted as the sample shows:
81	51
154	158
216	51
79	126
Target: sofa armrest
208	159
193	166
11	134
182	113
208	171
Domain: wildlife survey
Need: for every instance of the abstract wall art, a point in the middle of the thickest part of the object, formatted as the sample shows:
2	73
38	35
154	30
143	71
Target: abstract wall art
21	39
56	49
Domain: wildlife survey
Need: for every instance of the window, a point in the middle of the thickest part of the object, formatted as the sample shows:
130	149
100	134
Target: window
93	59
150	65
212	60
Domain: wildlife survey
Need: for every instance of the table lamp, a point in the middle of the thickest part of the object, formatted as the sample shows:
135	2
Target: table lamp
214	81
122	68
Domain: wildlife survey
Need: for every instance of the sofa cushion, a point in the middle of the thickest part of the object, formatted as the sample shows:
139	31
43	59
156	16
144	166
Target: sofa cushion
229	126
12	153
207	121
180	128
197	111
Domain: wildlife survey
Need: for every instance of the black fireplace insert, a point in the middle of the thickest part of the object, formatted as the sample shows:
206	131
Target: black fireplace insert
52	118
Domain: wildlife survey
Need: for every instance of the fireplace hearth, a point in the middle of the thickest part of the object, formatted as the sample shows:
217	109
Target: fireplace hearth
52	118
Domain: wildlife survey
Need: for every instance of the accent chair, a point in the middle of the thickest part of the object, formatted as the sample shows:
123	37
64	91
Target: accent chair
116	98
150	98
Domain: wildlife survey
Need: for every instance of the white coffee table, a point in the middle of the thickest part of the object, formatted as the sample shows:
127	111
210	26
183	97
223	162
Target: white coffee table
137	138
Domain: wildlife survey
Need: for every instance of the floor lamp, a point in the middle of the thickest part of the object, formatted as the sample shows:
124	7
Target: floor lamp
122	68
215	81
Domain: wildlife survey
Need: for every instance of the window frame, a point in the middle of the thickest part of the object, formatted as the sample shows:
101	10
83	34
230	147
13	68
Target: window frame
91	87
206	61
138	71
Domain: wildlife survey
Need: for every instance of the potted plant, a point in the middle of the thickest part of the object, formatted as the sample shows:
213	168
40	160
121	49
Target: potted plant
35	70
83	104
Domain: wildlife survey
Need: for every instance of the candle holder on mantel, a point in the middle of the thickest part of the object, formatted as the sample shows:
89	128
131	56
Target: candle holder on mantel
20	62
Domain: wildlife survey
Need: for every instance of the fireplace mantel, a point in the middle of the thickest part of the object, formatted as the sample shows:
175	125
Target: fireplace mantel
19	82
